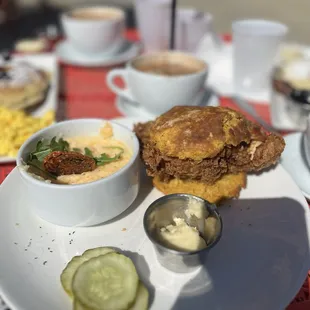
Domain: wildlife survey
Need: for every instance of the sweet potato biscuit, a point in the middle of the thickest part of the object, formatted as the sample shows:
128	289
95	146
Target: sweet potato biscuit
229	186
205	151
201	132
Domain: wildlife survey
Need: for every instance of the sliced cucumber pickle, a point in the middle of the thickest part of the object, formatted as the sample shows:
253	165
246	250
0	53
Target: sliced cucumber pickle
142	299
107	282
66	276
78	306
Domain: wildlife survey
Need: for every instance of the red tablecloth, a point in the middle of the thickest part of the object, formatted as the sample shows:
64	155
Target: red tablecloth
86	95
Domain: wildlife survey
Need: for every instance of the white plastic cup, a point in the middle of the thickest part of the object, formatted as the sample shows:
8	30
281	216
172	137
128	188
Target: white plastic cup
256	44
153	23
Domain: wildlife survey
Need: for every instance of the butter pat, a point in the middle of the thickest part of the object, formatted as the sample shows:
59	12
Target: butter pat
196	214
196	208
181	236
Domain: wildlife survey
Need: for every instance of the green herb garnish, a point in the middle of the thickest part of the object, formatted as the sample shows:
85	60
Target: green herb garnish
104	158
37	168
43	148
88	152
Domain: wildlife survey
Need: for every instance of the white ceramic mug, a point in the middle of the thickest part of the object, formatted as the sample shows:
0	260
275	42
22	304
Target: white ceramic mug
103	34
157	93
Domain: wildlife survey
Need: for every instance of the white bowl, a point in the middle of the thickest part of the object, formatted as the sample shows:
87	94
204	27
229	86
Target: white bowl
82	204
307	142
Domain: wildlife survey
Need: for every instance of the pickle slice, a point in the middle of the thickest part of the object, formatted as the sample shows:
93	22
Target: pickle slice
106	282
142	299
78	306
68	273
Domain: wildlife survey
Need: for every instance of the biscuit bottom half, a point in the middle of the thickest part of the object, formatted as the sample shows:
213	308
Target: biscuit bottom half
229	186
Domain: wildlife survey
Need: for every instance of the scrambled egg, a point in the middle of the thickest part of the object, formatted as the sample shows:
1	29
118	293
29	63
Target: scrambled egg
17	127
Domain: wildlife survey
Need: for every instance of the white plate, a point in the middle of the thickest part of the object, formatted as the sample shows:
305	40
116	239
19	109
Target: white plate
131	110
221	68
260	262
67	54
46	62
295	164
221	79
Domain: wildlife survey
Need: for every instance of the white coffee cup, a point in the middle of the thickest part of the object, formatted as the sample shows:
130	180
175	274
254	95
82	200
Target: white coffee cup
160	81
94	30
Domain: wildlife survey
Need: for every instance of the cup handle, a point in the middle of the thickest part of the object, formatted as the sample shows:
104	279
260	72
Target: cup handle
122	73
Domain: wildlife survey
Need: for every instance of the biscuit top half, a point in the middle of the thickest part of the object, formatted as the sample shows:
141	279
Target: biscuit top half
202	132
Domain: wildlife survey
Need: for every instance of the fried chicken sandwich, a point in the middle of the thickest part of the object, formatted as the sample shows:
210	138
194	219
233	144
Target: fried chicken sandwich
205	151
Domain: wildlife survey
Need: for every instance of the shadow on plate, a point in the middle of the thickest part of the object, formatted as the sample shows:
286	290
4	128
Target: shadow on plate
303	150
259	263
145	188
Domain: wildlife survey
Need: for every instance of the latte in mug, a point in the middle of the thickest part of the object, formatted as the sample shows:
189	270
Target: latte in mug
164	64
95	14
160	81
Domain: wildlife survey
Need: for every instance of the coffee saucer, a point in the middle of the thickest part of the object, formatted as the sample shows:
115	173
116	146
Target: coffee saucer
132	109
294	162
69	55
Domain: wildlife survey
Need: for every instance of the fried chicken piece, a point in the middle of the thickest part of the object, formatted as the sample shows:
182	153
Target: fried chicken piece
205	143
63	163
143	131
229	186
208	170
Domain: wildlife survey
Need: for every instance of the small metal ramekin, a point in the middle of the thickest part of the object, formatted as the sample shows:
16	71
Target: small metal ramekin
160	214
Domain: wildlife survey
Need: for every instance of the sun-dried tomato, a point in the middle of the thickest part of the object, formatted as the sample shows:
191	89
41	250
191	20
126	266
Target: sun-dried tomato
63	163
